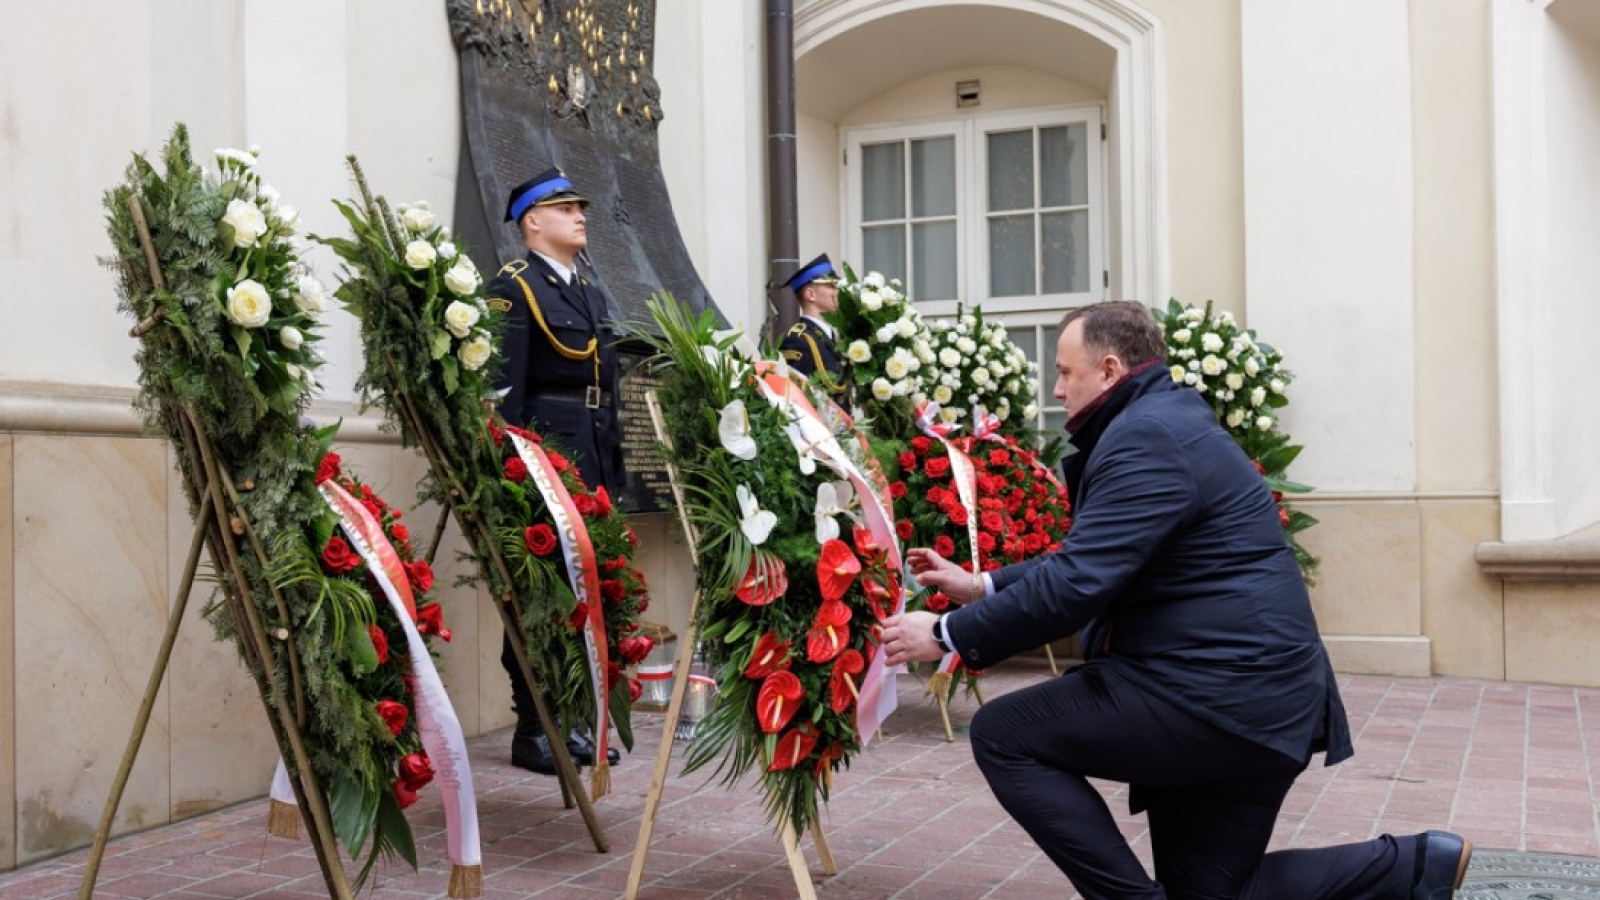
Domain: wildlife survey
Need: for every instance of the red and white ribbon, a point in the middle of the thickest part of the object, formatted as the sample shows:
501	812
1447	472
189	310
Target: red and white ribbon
583	575
437	723
965	475
987	428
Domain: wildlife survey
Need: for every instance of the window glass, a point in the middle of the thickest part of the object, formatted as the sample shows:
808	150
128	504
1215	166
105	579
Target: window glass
933	255
1011	264
1063	166
933	177
884	249
883	182
1010	170
1065	252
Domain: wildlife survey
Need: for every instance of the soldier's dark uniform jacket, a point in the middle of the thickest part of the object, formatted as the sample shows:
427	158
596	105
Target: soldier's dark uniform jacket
561	366
809	349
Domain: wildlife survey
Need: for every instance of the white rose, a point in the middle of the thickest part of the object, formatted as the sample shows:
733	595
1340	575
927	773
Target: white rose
942	395
420	254
1277	385
882	389
1031	410
1178	373
870	301
1226	318
966	345
1186	353
1235	417
858	352
980	376
902	388
895	367
475	353
1012	386
308	297
1211	342
950	414
461	279
1251	367
1191	378
873	280
287	219
247	222
448	251
460	317
1235	381
248	304
1258	396
417	219
1181	336
1212	365
949	357
906	327
924	352
291	338
1263	423
888	333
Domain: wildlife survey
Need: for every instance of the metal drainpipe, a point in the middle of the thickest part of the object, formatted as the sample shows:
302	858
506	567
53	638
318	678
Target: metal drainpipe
782	201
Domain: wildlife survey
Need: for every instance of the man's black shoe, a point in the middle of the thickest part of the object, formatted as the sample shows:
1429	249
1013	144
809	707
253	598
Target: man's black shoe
534	755
1442	867
582	750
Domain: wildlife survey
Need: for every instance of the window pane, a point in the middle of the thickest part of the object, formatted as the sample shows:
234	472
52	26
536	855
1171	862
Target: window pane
933	261
1027	340
933	177
1054	421
1066	252
1064	165
1010	170
883	182
1010	256
885	249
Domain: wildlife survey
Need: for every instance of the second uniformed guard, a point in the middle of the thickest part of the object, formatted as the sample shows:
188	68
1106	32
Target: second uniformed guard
809	347
560	380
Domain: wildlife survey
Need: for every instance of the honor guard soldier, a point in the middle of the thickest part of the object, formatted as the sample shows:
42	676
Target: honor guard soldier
809	346
559	379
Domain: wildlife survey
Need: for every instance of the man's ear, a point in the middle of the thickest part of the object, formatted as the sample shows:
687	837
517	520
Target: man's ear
1112	368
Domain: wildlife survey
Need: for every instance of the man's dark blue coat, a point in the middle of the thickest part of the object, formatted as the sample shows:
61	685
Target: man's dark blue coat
1179	574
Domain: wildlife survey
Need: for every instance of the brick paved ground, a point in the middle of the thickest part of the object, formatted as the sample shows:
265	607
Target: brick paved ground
1506	764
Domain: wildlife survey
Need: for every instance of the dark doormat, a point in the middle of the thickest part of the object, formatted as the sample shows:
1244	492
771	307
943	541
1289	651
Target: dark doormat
1510	875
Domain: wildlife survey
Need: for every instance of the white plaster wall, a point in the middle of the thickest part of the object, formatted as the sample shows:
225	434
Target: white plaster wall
1328	229
1572	278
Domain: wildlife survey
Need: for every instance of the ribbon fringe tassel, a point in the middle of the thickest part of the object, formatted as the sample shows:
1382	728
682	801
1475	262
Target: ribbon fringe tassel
283	819
939	684
600	779
466	881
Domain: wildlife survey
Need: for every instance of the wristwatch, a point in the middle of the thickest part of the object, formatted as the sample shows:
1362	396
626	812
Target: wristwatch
940	635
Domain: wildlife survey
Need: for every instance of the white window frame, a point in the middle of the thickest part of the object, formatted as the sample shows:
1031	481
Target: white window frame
972	242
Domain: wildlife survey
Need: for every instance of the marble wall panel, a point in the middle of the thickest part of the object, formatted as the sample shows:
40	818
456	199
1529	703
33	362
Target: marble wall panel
1463	610
222	748
90	607
1550	631
8	673
1369	582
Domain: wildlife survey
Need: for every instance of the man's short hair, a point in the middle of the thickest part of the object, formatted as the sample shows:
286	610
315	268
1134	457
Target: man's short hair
1121	328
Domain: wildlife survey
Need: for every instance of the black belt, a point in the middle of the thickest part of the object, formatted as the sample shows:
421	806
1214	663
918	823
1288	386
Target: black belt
590	396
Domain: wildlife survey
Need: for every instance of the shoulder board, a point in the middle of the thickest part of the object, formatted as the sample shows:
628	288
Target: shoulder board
792	355
514	267
799	329
500	304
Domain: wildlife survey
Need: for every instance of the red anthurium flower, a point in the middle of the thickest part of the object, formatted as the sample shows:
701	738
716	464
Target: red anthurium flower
866	544
764	582
795	745
826	758
836	568
841	688
878	597
829	633
778	700
770	655
393	715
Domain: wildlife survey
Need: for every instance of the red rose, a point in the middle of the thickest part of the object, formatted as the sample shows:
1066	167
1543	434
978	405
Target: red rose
430	620
393	715
937	496
633	539
380	643
373	507
635	649
337	557
1283	516
421	575
403	795
613	590
495	433
635	690
985	542
943	546
540	539
897	490
558	462
992	521
416	771
367	494
903	529
516	470
585	505
400	533
958	515
921	444
580	616
602	501
525	434
937	602
908	461
938	467
328	469
613	674
999	458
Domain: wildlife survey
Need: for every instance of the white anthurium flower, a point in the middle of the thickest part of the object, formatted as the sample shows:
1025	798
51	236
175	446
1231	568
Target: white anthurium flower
734	431
833	498
249	305
247	222
420	254
459	318
858	352
755	522
291	338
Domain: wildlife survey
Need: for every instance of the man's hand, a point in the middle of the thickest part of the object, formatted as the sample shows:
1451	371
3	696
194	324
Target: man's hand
933	570
909	638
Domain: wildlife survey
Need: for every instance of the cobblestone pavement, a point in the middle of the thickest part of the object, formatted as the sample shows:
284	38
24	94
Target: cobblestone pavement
1509	765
